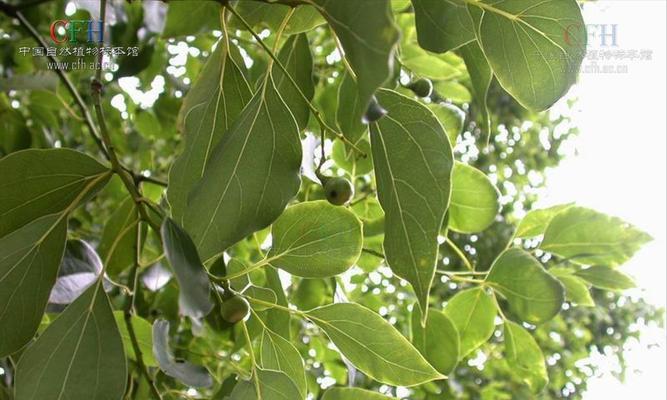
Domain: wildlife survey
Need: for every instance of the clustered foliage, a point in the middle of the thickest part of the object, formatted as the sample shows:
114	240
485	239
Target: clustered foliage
326	199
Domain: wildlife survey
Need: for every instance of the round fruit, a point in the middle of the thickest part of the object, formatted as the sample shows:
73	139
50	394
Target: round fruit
234	309
338	190
421	87
374	111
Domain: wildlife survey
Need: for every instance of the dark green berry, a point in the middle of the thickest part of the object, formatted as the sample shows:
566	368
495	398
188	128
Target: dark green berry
234	309
421	87
338	190
374	111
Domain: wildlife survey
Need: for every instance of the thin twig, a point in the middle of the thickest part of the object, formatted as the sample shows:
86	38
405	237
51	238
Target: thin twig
373	252
460	254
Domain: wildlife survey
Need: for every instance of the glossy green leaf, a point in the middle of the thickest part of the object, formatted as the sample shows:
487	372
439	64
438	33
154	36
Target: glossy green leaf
532	293
41	182
425	64
278	354
352	393
295	56
534	48
413	165
79	356
194	297
481	76
209	109
184	371
438	341
28	268
475	200
585	236
606	278
315	240
368	42
272	385
473	313
192	17
576	289
119	238
238	200
535	222
452	118
143	330
442	25
373	345
525	357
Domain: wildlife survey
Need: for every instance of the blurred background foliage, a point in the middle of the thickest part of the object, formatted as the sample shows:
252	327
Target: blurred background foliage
146	92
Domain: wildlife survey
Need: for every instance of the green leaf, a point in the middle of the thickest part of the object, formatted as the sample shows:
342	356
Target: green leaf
28	268
480	78
525	357
438	341
530	48
278	354
453	91
184	371
251	176
192	17
442	25
79	268
606	278
143	330
311	293
373	345
368	42
265	294
413	165
209	109
474	204
295	56
451	117
425	64
351	393
473	313
277	320
576	289
315	240
535	222
351	160
119	238
532	293
194	297
349	106
272	385
41	182
303	19
79	356
585	236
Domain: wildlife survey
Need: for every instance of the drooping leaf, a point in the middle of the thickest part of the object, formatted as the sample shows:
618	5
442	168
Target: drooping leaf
368	35
28	267
41	182
532	293
535	222
475	200
80	267
119	238
442	25
438	341
530	48
184	371
272	385
211	106
277	320
413	165
373	345
472	312
296	57
79	357
192	17
315	240
481	76
194	297
278	354
585	236
143	330
352	393
606	278
349	106
525	357
251	176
